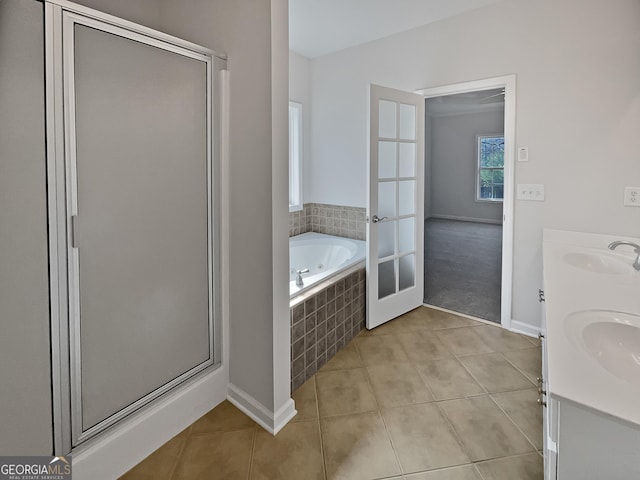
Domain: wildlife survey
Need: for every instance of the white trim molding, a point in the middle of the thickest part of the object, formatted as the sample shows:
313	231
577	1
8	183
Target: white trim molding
465	219
272	422
296	156
126	444
516	326
525	328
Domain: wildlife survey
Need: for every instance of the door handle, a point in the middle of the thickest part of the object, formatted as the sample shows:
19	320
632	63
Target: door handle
376	219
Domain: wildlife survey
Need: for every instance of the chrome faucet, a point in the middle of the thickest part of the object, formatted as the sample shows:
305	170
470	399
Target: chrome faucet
299	282
636	249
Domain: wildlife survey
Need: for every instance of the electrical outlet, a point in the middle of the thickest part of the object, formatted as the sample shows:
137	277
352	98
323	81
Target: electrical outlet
632	196
530	191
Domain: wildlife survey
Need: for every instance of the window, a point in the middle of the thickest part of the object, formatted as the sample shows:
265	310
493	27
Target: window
490	178
295	156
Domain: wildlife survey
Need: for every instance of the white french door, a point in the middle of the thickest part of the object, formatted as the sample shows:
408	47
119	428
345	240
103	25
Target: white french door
395	209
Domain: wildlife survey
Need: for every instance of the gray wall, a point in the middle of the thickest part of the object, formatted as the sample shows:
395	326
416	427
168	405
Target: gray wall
258	256
453	165
25	385
144	12
578	111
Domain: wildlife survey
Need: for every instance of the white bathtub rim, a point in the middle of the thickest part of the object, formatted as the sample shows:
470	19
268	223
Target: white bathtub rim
316	288
331	276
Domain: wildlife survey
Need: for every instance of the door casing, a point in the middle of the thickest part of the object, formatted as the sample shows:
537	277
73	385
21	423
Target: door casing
508	82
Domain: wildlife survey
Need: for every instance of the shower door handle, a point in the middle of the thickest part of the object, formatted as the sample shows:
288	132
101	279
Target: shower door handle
376	219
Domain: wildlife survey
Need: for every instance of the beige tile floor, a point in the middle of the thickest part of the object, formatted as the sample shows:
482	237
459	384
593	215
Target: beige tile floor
428	396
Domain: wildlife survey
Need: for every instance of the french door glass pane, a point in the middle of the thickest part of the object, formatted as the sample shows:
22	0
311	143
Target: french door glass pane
386	238
407	156
407	271
387	119
386	159
406	235
387	199
407	204
407	122
386	279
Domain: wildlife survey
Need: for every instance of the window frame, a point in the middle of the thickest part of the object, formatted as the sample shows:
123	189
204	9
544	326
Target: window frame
295	156
479	169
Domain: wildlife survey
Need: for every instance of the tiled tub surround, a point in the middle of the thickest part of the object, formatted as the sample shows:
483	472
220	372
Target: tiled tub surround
323	323
337	220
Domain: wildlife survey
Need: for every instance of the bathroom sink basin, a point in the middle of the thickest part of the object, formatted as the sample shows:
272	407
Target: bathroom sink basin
611	338
597	263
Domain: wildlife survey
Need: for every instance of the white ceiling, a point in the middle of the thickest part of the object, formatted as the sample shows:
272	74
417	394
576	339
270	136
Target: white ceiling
319	27
469	102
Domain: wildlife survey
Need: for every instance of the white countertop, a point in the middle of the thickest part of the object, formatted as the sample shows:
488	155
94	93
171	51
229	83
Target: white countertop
573	374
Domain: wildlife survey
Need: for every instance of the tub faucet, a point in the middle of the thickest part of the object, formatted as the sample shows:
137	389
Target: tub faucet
299	282
636	249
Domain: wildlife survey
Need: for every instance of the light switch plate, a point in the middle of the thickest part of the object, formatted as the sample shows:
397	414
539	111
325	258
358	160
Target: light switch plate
523	154
632	196
530	191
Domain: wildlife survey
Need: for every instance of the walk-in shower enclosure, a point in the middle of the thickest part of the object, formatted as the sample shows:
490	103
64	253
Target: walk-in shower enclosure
133	168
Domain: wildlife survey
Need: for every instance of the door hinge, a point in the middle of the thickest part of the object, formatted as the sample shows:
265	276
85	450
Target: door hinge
541	296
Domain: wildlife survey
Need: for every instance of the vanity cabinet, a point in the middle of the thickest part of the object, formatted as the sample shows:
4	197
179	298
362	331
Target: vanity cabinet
591	411
548	404
582	443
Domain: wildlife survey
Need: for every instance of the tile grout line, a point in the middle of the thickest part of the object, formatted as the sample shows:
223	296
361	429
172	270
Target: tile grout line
522	372
472	376
492	399
415	369
180	452
231	430
535	449
253	448
512	420
324	462
442	413
379	412
424	382
456	434
487	393
507	360
477	470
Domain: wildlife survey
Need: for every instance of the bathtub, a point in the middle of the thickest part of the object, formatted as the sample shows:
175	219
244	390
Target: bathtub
327	258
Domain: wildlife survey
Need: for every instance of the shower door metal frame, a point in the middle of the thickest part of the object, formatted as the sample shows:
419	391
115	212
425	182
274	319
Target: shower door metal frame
60	18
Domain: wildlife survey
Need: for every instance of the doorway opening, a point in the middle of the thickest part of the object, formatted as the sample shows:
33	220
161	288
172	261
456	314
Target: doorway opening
469	145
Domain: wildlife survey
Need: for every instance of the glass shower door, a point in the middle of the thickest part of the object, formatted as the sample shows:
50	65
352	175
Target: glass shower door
139	206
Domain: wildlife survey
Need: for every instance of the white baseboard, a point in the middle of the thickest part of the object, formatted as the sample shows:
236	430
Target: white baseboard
525	328
466	219
517	327
272	422
127	444
463	315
